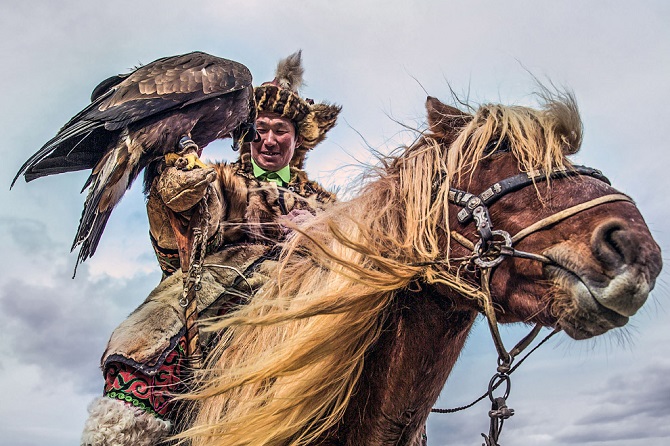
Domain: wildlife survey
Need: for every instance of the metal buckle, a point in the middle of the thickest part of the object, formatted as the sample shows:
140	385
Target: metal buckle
493	257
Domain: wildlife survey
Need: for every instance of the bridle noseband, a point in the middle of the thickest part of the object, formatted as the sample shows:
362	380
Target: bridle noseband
492	247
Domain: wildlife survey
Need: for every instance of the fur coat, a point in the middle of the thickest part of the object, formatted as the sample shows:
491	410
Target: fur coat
242	208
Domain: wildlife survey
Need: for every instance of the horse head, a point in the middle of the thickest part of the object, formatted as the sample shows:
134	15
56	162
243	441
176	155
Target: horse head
598	262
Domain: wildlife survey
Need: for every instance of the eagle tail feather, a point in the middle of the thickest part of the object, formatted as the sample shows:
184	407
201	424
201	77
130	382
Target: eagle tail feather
110	179
88	236
59	154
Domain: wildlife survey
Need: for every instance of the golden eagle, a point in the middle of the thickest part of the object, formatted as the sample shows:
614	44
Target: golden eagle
175	104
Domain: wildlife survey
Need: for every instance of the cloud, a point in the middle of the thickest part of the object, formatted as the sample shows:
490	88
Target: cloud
625	406
62	328
51	321
629	408
459	429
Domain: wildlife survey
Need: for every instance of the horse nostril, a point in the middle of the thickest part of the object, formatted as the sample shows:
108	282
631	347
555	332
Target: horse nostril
611	245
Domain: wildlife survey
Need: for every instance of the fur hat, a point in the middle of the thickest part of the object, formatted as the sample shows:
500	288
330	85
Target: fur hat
281	96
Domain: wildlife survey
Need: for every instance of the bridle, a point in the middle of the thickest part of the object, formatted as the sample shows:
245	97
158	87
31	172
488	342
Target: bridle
492	247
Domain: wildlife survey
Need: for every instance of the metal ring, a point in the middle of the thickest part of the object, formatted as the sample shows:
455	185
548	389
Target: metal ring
493	262
498	379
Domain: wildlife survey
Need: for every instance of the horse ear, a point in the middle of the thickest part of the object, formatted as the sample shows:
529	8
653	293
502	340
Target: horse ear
443	119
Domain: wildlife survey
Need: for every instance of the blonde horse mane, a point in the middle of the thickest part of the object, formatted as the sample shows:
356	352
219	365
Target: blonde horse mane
289	360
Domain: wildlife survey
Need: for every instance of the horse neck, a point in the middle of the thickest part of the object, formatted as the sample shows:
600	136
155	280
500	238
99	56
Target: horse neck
406	370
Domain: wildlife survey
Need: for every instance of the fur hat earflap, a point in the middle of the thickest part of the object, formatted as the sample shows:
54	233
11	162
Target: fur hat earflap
281	96
313	129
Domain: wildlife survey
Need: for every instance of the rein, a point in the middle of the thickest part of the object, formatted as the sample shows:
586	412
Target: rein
490	250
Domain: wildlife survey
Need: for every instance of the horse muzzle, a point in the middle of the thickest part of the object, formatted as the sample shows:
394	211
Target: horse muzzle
599	285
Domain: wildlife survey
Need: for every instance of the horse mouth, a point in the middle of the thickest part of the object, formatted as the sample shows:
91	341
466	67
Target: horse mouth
577	304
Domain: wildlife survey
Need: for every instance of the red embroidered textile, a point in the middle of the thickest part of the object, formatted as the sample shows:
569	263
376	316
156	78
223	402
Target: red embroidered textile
151	393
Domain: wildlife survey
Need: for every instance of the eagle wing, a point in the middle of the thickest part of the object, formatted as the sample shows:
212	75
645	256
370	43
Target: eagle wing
166	84
112	136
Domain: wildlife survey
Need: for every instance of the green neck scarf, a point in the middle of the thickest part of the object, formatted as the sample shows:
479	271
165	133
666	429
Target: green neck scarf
280	177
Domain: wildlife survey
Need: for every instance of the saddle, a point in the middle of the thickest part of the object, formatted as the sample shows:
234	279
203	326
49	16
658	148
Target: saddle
153	330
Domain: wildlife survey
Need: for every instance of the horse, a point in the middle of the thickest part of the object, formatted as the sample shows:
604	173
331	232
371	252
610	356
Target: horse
352	339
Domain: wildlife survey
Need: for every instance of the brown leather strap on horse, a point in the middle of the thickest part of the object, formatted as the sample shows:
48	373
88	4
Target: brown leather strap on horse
504	357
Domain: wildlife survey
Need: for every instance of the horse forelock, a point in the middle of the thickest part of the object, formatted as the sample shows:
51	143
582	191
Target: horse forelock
539	138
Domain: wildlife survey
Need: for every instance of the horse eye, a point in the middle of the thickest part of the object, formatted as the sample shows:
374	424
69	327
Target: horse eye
496	147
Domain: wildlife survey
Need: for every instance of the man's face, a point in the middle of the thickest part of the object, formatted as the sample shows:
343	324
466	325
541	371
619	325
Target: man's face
277	142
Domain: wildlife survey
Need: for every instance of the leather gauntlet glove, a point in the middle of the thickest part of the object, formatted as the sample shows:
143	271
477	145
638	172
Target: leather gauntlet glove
179	191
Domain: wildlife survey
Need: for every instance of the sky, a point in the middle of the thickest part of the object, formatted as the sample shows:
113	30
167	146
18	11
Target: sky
379	60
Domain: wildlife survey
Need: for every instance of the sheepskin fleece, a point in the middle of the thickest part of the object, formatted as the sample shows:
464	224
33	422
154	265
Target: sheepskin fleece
115	423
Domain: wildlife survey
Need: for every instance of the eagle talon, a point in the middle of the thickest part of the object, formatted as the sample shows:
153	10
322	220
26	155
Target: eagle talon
182	163
188	161
187	158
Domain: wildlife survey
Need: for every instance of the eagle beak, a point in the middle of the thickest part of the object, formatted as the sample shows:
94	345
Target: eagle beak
246	132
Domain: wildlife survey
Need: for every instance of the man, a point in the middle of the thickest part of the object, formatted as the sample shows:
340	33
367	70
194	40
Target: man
288	127
144	363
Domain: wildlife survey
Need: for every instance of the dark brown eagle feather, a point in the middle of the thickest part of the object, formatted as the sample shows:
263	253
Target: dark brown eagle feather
135	119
